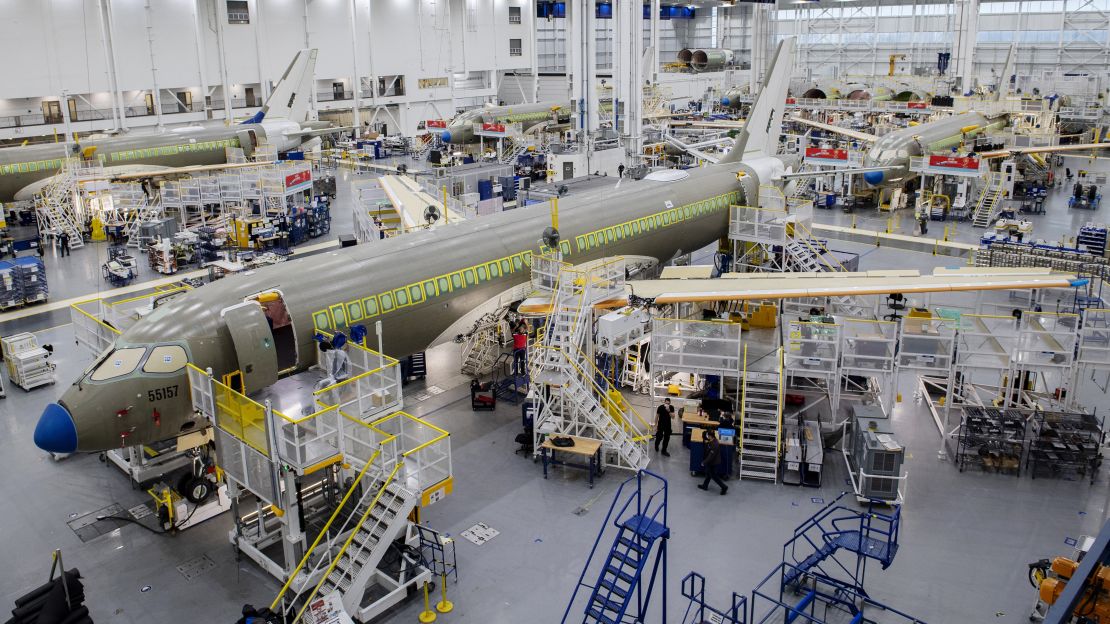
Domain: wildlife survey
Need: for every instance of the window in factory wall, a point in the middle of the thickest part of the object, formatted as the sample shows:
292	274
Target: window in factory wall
237	12
514	15
391	85
514	47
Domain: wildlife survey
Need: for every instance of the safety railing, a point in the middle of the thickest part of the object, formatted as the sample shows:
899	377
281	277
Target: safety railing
926	344
1094	338
124	313
545	271
698	610
821	596
422	447
813	348
868	345
696	346
758	225
89	329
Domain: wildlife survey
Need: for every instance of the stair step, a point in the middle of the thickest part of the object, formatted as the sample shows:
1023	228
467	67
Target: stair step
599	617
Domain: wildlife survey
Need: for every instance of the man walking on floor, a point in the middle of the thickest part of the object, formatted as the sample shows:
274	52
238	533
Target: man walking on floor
712	462
63	241
663	416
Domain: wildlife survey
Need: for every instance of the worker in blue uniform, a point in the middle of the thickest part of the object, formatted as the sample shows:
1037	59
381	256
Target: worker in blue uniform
712	462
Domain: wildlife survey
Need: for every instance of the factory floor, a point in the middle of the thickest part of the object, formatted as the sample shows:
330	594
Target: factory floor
966	537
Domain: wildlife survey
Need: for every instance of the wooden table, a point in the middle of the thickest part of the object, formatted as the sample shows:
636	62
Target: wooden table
689	423
583	447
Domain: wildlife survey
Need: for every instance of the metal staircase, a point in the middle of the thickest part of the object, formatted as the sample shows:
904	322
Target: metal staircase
56	205
837	541
760	423
989	202
807	254
513	149
348	562
482	344
633	373
577	398
620	594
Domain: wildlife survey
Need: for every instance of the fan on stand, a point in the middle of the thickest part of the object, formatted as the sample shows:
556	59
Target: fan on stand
431	215
551	238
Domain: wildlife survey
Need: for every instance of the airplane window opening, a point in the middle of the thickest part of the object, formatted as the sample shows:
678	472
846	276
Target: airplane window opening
119	363
416	294
481	274
429	289
370	306
443	284
456	280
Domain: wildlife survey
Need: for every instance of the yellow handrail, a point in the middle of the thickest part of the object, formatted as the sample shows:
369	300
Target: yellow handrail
327	525
622	403
778	435
744	396
338	556
96	320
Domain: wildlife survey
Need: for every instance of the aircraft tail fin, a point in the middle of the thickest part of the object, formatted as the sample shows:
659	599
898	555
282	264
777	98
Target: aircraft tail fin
1007	72
764	126
292	95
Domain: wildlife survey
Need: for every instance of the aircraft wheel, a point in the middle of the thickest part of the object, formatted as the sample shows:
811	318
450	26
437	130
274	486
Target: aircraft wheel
198	490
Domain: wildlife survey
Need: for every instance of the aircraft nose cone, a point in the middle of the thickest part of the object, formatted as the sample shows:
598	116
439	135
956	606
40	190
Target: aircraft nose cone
874	178
446	136
725	101
56	432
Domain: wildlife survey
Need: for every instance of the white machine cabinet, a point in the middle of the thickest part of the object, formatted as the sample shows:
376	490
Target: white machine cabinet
28	364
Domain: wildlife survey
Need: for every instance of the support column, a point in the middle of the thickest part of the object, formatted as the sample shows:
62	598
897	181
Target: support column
219	11
108	26
109	65
258	47
967	30
582	63
372	76
155	92
356	80
761	41
628	75
534	38
655	8
202	73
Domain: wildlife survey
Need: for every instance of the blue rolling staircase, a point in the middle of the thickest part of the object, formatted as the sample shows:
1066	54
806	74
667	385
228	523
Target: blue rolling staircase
511	387
822	600
828	541
620	595
699	612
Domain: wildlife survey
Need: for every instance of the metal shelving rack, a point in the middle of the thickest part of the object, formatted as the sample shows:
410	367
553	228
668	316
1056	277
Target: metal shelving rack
1065	443
992	438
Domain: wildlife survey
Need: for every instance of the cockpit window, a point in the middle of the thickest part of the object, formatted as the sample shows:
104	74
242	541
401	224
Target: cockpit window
119	363
165	359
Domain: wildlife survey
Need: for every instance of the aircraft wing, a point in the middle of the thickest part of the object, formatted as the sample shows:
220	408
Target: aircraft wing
125	173
1082	147
410	201
852	134
722	124
308	134
741	287
690	149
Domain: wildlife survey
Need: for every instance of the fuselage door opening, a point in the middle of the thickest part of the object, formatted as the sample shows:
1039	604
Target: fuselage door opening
281	327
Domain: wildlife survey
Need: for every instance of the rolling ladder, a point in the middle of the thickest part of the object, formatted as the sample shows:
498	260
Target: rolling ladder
55	206
621	594
633	374
513	149
578	400
760	425
989	201
805	256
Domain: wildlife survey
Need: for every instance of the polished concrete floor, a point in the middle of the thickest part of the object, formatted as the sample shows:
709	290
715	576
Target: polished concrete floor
966	537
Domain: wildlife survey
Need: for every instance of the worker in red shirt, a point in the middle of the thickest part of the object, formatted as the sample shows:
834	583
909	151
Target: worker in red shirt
520	347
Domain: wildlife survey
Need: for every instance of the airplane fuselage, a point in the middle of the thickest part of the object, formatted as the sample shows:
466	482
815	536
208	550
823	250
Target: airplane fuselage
417	285
25	170
461	129
894	150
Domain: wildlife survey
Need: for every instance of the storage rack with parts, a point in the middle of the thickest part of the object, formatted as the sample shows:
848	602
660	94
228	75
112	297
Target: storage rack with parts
1064	444
992	438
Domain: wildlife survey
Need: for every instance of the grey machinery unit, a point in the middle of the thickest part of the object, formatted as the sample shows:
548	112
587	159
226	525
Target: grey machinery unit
873	451
154	229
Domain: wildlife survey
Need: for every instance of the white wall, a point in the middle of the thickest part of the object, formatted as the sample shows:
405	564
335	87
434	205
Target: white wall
61	48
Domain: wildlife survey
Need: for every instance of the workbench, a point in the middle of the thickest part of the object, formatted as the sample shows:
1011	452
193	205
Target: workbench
583	447
697	455
689	423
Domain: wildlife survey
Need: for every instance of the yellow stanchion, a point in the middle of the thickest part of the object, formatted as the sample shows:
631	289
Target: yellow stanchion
898	399
427	615
444	605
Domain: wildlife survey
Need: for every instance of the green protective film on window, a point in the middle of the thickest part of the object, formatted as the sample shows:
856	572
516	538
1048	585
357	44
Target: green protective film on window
321	320
456	280
481	273
518	263
370	306
469	273
416	294
386	301
506	267
401	297
338	315
565	247
354	311
494	270
591	241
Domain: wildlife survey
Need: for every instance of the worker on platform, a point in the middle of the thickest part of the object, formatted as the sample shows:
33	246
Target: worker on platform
520	347
663	416
712	462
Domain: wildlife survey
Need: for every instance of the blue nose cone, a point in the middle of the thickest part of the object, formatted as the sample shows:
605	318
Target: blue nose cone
446	136
874	178
56	432
725	101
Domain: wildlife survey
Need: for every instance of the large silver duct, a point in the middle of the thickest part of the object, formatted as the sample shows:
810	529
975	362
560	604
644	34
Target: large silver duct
710	59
